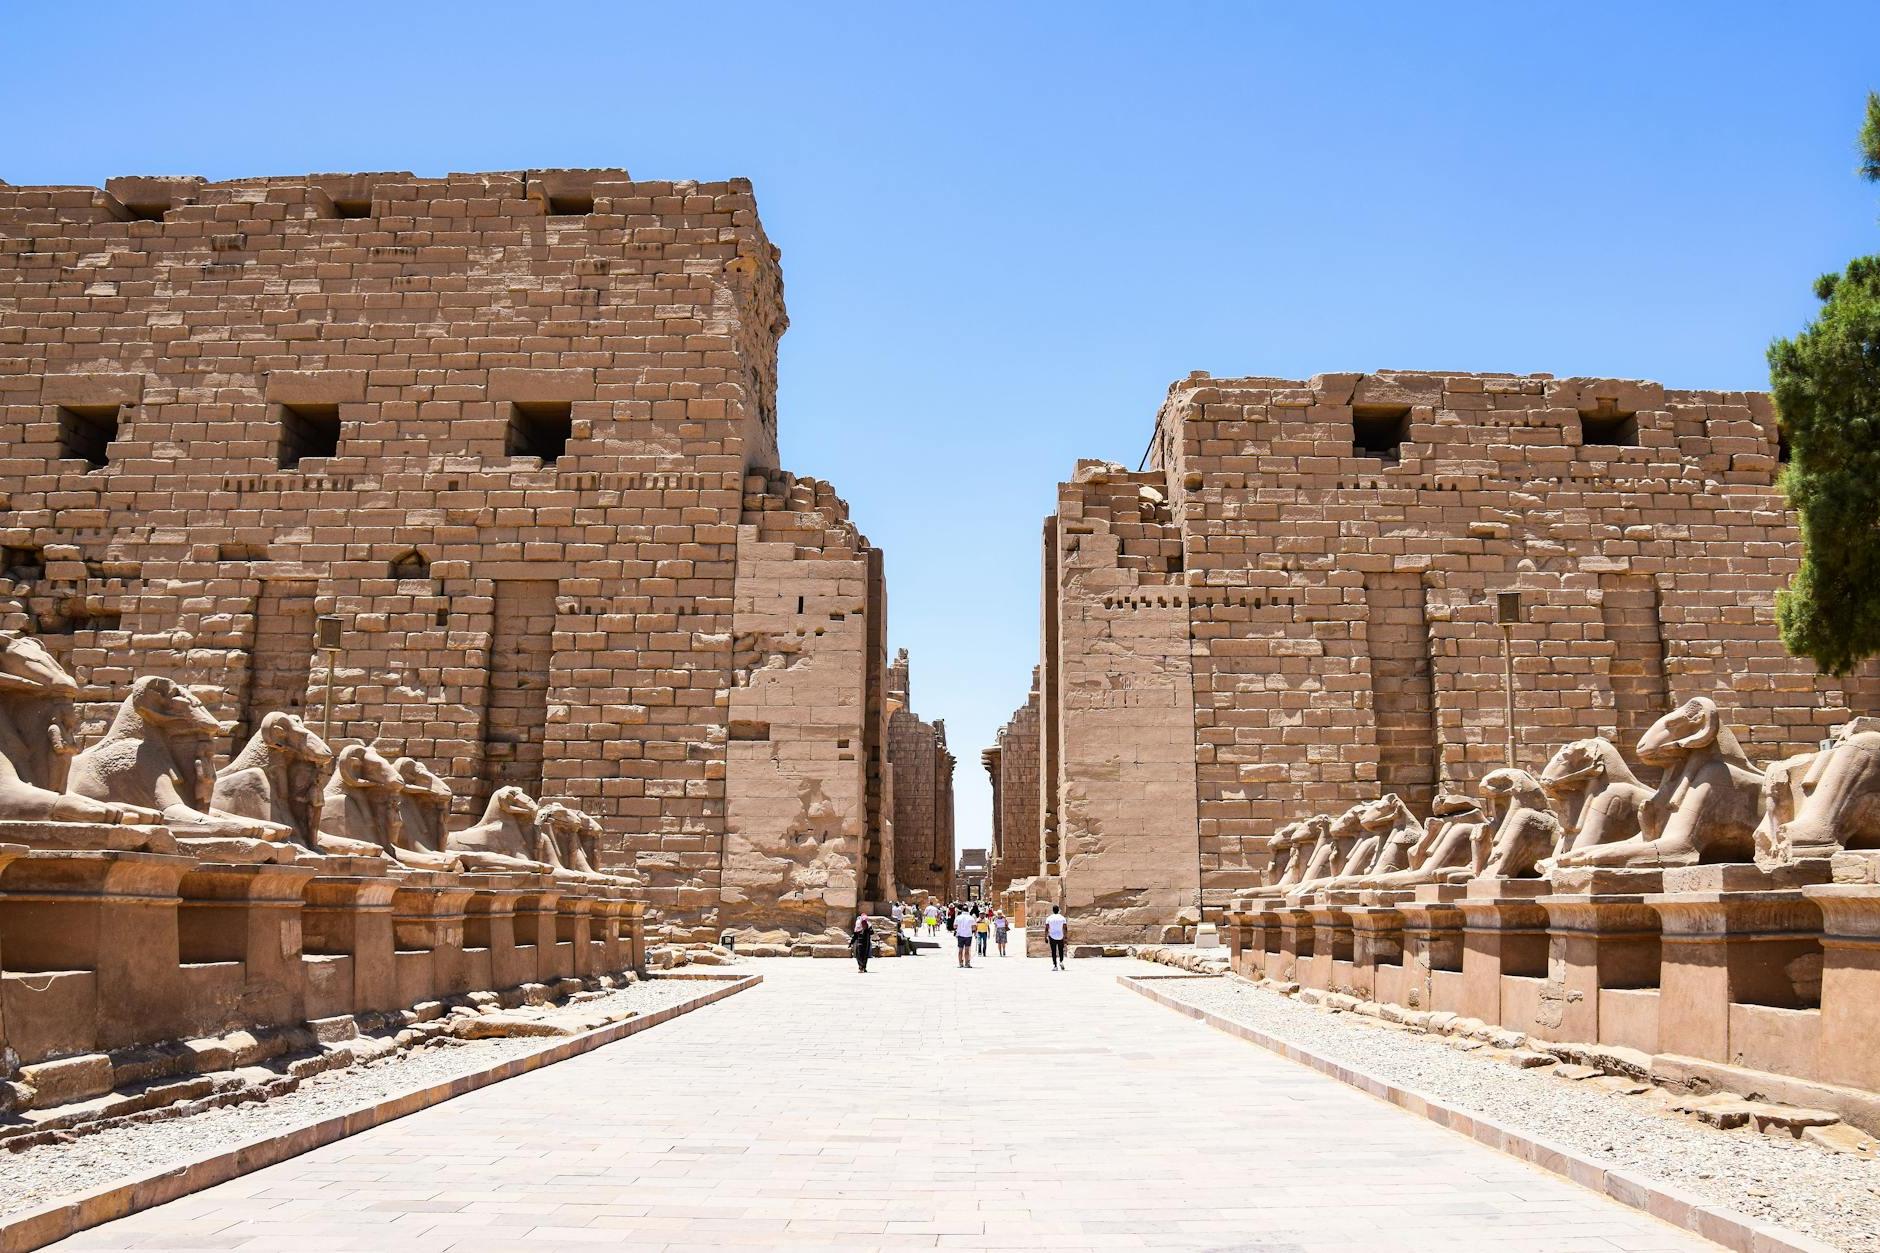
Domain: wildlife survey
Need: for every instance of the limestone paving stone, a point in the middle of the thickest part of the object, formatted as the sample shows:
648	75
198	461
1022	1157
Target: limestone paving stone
917	1106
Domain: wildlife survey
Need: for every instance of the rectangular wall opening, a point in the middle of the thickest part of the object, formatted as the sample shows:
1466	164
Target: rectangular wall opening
1403	692
571	204
539	429
1380	431
280	661
515	718
1630	614
352	208
1607	426
307	431
22	565
86	433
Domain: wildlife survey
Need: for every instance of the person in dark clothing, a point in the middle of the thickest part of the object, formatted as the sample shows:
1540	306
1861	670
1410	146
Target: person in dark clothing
862	942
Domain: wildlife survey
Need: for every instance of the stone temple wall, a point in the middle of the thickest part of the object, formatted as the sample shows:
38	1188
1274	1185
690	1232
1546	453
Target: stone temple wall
1014	767
518	432
1293	609
923	792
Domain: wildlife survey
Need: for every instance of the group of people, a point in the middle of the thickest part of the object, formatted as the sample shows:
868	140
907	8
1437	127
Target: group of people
973	925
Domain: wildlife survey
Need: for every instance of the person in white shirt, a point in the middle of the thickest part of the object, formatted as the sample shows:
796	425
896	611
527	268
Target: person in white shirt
1054	934
933	918
963	929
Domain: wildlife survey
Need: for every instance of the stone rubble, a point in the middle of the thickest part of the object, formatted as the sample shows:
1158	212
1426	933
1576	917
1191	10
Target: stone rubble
59	1098
102	1153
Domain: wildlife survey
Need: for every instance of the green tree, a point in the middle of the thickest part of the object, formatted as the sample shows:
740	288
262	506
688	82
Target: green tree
1826	382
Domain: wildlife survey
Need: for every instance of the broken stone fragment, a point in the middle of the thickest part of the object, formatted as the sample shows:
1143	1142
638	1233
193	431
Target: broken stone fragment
507	1026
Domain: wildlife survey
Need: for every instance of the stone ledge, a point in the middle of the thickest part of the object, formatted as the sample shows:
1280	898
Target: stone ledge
49	1223
1662	1201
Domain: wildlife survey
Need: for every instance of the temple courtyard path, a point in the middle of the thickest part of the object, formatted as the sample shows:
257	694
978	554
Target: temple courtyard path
918	1106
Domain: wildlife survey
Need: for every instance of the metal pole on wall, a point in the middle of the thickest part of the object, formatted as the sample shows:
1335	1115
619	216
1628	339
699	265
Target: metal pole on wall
1507	613
328	625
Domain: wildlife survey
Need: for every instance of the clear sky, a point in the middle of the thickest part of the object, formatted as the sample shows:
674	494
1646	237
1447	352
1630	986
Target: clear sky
1006	228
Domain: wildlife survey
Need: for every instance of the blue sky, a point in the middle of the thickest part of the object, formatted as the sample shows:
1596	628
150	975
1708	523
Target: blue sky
1006	228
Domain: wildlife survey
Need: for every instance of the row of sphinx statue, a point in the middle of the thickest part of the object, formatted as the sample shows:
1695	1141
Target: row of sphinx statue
150	784
1588	808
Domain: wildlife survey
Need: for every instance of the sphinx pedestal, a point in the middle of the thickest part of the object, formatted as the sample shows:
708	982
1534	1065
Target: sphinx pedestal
1292	962
1253	937
490	929
92	955
428	909
1850	983
574	927
1504	938
250	914
1246	938
1602	959
1377	943
1329	969
1742	965
347	937
1432	948
8	852
537	953
632	937
612	954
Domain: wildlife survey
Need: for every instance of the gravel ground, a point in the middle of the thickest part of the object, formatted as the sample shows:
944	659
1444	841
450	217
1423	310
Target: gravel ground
1833	1197
36	1176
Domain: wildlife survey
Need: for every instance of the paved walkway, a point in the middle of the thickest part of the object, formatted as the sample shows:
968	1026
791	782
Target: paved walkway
919	1106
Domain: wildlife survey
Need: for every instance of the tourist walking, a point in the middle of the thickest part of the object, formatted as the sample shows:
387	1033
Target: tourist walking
963	931
1054	935
1000	926
862	941
982	929
932	918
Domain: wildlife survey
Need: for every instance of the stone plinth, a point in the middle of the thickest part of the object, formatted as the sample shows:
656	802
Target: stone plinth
490	929
1293	956
1741	965
574	924
249	914
347	936
1377	943
101	837
1330	967
8	852
1246	932
1504	934
1850	983
108	921
1602	959
538	959
633	933
428	910
1432	947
